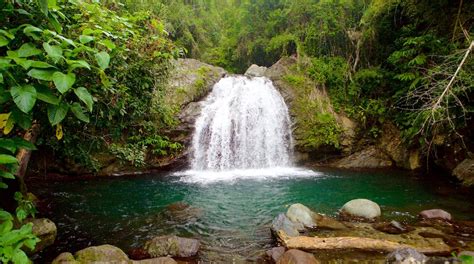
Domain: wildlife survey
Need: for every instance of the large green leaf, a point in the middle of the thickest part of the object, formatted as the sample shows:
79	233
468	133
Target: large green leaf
3	41
73	64
22	119
44	75
43	4
24	97
8	144
85	97
56	113
103	59
76	108
46	95
24	144
54	52
7	159
85	39
41	64
63	81
27	50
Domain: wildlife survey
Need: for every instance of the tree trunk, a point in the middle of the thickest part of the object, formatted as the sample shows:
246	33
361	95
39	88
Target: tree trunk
24	155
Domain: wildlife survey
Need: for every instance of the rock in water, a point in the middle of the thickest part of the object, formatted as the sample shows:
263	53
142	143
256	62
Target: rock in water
172	246
103	253
162	260
65	258
45	230
406	256
361	208
255	71
301	214
276	253
282	223
435	214
295	256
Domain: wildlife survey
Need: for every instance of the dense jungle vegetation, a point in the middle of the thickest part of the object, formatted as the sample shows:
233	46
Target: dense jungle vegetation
83	75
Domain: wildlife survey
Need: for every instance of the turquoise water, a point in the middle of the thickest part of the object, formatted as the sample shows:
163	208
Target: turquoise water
231	216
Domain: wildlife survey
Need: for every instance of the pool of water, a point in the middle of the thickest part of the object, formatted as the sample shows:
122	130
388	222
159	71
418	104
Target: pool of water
230	213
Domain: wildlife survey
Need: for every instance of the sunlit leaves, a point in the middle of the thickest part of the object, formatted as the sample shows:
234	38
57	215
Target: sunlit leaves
54	52
28	50
24	97
7	159
85	97
85	39
63	82
59	132
103	59
44	75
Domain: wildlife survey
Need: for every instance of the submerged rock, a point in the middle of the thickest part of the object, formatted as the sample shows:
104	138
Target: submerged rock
282	223
406	256
361	208
392	227
295	256
172	246
435	214
299	213
45	230
275	253
162	260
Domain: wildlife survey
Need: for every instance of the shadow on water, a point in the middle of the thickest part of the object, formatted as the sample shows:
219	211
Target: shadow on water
231	218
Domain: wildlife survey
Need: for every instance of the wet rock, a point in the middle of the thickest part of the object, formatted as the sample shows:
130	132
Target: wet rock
65	258
361	208
371	157
255	71
435	214
392	227
464	171
299	213
162	260
172	246
295	256
325	222
103	253
275	253
282	223
45	230
406	256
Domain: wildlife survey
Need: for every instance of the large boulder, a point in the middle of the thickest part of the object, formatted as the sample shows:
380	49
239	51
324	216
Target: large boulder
301	214
392	145
282	224
255	71
65	258
275	253
361	208
295	256
406	256
172	246
371	157
103	253
45	230
435	214
464	171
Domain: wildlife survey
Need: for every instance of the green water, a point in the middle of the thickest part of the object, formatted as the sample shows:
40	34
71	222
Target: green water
231	218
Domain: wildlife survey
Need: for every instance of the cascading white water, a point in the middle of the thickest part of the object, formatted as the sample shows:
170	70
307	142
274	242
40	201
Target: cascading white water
244	125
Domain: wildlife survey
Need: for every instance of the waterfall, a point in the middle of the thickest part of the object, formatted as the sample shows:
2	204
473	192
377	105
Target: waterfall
244	124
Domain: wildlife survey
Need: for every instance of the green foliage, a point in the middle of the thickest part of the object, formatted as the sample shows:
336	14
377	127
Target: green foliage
324	130
14	241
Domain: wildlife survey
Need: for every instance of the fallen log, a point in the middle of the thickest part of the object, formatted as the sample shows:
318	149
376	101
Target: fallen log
356	243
